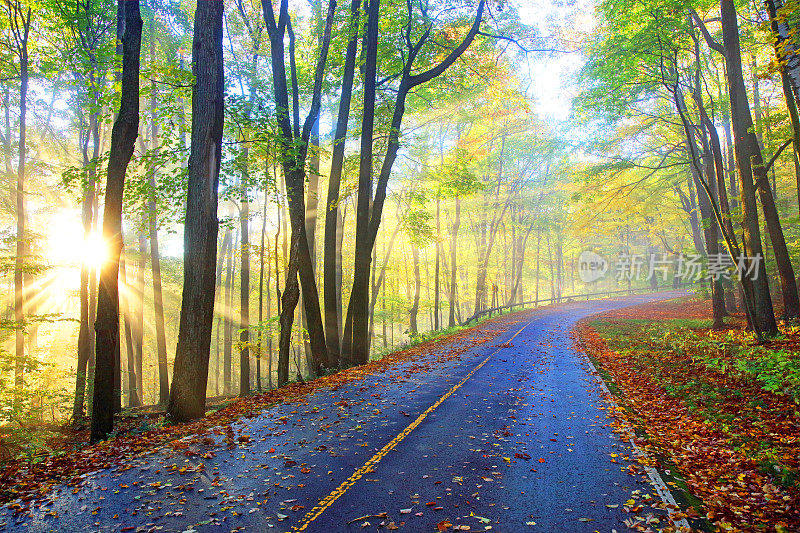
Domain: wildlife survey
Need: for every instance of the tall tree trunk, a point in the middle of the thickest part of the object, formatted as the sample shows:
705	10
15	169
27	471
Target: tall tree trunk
84	333
538	261
341	217
788	92
786	43
261	257
451	320
123	138
726	227
436	271
222	320
188	393
791	105
291	294
367	230
356	349
748	156
244	309
731	157
138	312
381	280
417	285
295	141
515	290
710	227
269	339
697	234
227	336
332	251
155	256
22	22
134	397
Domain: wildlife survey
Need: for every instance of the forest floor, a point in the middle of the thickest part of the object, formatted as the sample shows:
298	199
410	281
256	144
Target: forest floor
502	427
35	458
714	407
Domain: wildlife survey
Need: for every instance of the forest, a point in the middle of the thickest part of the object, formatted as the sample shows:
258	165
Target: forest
212	199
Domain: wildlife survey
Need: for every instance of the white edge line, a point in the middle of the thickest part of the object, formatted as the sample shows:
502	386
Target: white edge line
655	478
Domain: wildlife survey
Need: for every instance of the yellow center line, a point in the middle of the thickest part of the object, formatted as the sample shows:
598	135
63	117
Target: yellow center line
339	491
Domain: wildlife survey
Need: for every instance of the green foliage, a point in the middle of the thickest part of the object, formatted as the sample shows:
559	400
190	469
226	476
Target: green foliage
777	370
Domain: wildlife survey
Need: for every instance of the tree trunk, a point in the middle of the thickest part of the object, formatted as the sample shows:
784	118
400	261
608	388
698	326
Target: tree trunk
123	138
747	156
188	392
790	94
786	46
341	216
367	228
138	313
261	296
291	294
331	283
291	137
134	399
21	243
84	334
538	261
227	335
417	283
356	349
244	293
224	249
436	271
155	256
520	263
451	320
710	228
381	281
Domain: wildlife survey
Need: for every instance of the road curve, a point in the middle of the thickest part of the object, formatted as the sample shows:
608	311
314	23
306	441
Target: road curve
509	435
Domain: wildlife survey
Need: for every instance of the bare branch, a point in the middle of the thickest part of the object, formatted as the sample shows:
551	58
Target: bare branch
714	45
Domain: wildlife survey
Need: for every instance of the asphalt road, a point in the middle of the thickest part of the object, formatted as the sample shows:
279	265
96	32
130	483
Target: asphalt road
510	435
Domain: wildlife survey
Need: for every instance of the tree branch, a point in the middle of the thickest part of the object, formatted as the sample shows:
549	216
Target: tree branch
714	45
778	153
452	56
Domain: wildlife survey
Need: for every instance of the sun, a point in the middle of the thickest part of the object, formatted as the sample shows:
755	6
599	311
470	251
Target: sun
67	245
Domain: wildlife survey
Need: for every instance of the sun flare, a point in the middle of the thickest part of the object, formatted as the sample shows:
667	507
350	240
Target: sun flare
67	245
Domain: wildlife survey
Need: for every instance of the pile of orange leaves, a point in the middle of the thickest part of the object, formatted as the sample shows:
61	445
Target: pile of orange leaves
722	463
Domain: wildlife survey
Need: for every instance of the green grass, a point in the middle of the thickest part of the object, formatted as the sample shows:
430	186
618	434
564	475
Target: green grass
703	372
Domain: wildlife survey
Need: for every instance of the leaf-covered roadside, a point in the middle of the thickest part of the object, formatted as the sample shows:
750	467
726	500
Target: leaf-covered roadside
27	479
723	411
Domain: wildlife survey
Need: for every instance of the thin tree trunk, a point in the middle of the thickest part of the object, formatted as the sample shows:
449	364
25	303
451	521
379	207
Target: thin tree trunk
451	321
436	270
155	256
84	334
123	138
227	335
368	220
134	397
538	260
244	291
261	296
417	286
380	282
23	20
